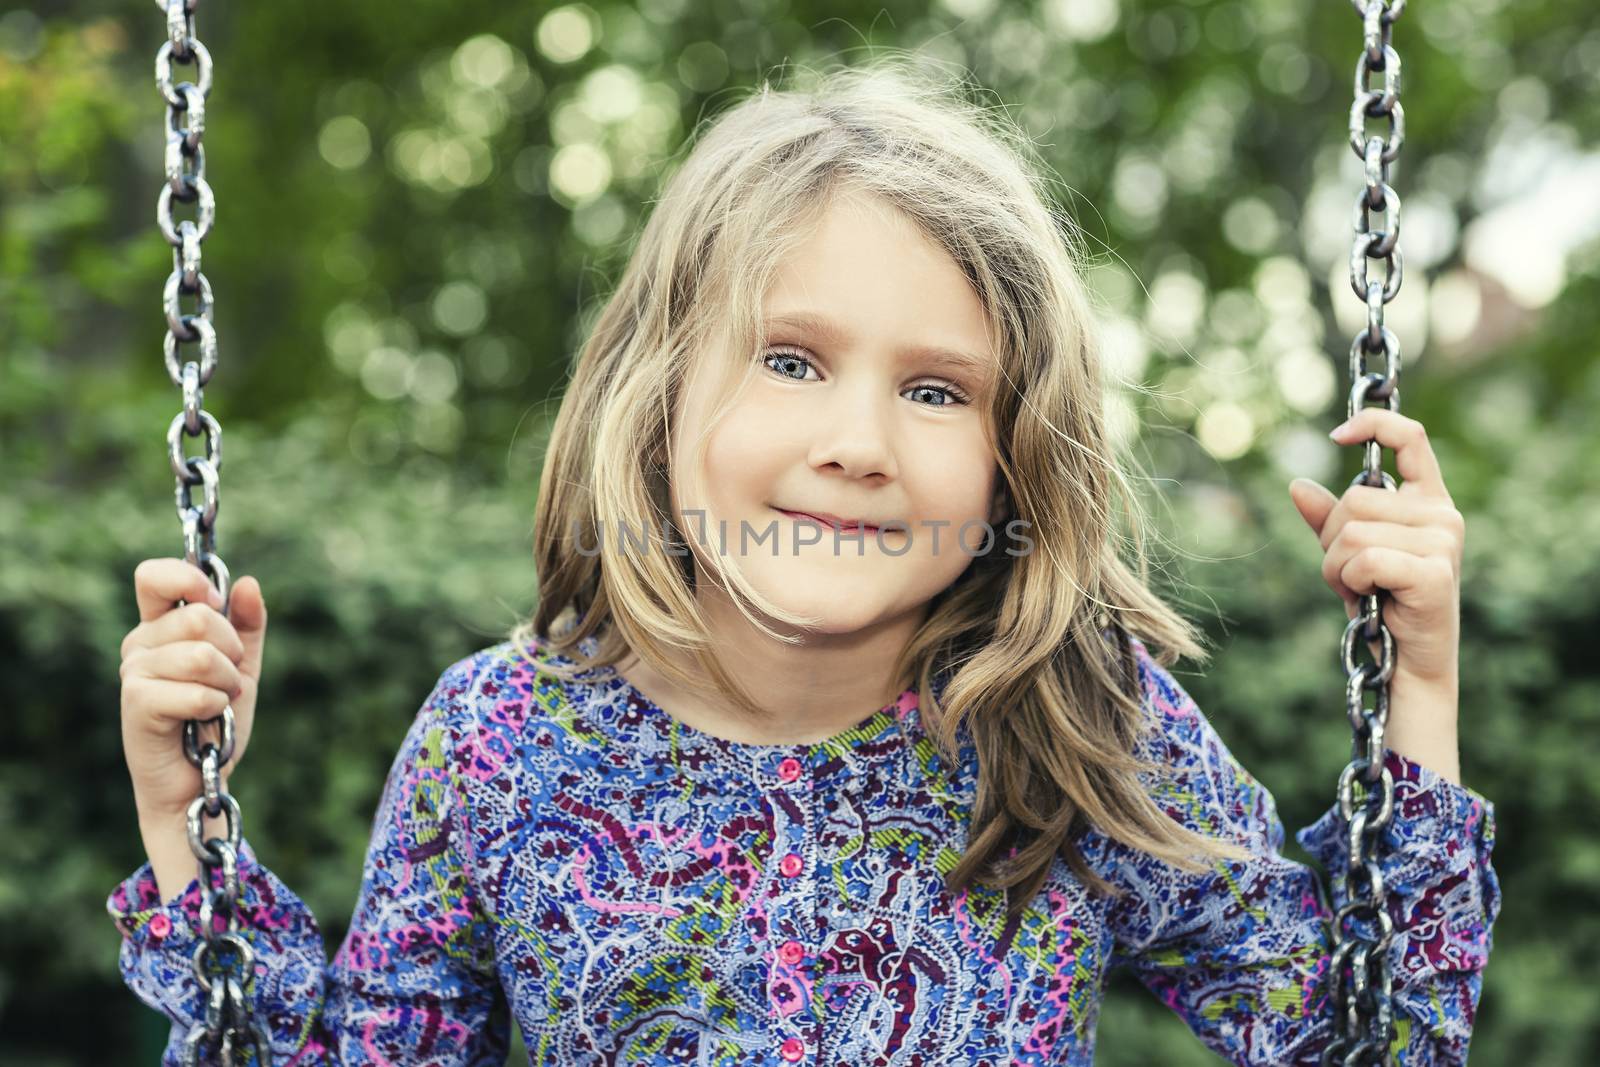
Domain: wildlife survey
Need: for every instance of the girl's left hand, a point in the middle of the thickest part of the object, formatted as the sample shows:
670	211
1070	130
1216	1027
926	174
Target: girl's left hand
1407	541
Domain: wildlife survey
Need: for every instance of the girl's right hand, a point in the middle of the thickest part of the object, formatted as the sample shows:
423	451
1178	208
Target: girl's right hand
180	663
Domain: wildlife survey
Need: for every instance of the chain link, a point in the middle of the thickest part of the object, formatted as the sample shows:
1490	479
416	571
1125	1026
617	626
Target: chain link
1362	998
224	963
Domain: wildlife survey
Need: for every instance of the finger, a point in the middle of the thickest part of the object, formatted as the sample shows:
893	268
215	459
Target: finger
191	622
1315	503
1396	571
1370	503
159	584
247	611
1413	452
1361	535
165	699
196	662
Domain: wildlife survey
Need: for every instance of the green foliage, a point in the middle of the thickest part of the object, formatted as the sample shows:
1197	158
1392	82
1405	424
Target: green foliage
417	218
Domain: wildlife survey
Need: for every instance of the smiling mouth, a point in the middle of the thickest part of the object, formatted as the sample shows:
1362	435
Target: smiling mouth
827	524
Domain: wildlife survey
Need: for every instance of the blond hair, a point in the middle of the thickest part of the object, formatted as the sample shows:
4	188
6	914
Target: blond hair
1051	700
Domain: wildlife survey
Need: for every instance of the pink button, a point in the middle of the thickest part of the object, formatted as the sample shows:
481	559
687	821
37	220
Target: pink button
160	926
792	952
789	769
791	865
793	1049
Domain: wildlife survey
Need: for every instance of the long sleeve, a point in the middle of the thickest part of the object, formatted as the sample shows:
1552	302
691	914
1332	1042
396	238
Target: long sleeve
414	981
1241	953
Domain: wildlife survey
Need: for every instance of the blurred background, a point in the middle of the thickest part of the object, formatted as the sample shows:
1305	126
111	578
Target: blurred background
421	209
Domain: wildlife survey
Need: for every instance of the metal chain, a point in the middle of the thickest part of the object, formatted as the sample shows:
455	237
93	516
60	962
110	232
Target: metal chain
229	1026
1363	1001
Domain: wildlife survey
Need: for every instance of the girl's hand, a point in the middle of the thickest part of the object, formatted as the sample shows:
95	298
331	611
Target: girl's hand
1406	541
184	663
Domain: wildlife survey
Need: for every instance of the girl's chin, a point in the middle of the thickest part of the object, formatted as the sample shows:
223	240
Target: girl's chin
837	606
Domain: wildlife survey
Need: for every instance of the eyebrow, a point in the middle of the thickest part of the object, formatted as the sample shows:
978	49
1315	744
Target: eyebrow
835	334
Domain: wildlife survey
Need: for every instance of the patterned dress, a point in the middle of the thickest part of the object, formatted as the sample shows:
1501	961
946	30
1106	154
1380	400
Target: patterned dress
632	891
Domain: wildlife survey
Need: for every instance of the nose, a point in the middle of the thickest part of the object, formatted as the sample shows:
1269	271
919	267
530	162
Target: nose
853	431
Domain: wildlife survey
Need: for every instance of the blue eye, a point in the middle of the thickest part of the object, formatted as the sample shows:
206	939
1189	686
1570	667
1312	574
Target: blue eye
788	357
956	396
953	393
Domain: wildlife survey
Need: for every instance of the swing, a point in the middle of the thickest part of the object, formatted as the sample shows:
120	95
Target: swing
223	960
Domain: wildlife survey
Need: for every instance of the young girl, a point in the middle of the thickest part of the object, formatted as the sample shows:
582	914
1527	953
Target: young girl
837	736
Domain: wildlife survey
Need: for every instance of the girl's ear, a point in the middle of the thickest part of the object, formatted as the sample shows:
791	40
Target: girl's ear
998	511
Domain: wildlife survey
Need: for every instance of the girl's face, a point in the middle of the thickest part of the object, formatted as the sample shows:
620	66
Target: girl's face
853	414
